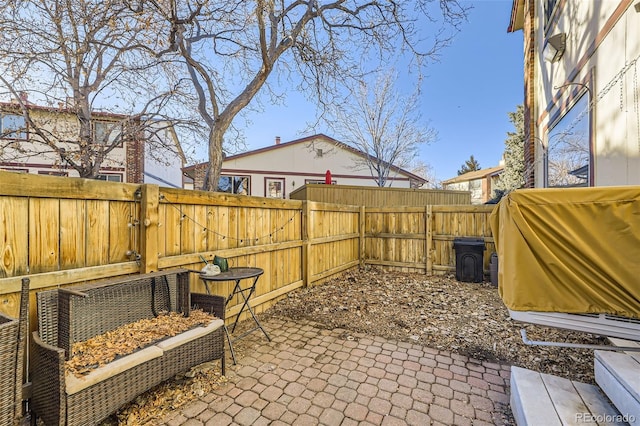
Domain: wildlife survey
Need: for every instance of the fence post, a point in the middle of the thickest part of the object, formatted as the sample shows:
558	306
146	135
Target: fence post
362	235
306	244
428	239
149	201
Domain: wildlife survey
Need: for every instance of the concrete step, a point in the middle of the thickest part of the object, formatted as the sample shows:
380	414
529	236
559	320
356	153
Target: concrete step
543	399
618	375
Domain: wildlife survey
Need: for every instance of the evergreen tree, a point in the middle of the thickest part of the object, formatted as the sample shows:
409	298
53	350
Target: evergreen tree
513	175
471	165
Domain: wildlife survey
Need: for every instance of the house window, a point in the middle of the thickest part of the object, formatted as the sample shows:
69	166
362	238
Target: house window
568	151
234	184
110	177
549	6
475	184
319	152
107	132
274	187
13	126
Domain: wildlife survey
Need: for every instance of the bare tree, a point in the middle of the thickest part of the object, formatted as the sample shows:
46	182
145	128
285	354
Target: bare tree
425	170
232	47
384	125
78	56
568	160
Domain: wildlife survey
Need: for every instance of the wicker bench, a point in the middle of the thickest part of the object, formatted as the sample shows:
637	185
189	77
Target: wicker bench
73	314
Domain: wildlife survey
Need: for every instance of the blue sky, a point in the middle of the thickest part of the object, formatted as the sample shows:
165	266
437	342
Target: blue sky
466	96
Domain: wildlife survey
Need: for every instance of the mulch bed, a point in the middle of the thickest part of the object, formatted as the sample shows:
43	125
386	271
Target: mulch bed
439	312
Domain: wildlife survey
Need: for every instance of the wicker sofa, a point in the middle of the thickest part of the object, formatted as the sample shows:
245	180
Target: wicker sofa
8	345
72	314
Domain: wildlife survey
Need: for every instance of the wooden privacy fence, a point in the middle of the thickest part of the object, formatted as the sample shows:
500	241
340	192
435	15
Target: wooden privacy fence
420	239
373	196
60	231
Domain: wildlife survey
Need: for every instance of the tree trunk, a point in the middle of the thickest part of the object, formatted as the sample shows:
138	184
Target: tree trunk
216	136
222	123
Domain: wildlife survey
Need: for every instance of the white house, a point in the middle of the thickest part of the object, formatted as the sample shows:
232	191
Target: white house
582	96
276	170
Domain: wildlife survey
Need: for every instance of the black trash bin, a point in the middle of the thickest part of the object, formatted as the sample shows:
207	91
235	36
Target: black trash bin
469	259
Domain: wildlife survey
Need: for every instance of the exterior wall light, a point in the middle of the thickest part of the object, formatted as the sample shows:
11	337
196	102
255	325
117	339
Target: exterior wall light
554	49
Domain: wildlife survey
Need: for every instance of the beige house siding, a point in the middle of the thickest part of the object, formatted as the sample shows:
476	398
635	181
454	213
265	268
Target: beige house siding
473	186
28	156
600	62
127	162
480	183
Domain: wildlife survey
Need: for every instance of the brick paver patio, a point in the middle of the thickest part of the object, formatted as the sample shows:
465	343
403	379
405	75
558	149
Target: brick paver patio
310	376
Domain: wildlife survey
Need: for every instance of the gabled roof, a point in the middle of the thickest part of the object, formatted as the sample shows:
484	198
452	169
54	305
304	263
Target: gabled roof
308	139
476	174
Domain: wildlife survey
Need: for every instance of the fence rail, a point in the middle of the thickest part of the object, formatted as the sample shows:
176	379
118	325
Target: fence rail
417	239
64	231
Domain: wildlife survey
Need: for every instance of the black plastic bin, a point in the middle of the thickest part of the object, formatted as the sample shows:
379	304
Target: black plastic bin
469	259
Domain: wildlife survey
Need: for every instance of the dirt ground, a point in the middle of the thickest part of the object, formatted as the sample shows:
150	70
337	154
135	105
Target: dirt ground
439	312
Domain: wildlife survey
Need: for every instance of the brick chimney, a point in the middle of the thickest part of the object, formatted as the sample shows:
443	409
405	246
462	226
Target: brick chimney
277	140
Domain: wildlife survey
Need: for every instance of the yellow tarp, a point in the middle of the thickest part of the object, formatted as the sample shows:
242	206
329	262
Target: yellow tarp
574	250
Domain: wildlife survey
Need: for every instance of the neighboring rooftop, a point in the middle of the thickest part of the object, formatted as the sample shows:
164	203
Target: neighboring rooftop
476	174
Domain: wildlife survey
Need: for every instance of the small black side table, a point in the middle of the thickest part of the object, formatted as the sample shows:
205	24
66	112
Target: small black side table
237	275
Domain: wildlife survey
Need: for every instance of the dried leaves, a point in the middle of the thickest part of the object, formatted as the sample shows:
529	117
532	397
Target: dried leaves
435	311
438	312
124	340
150	407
